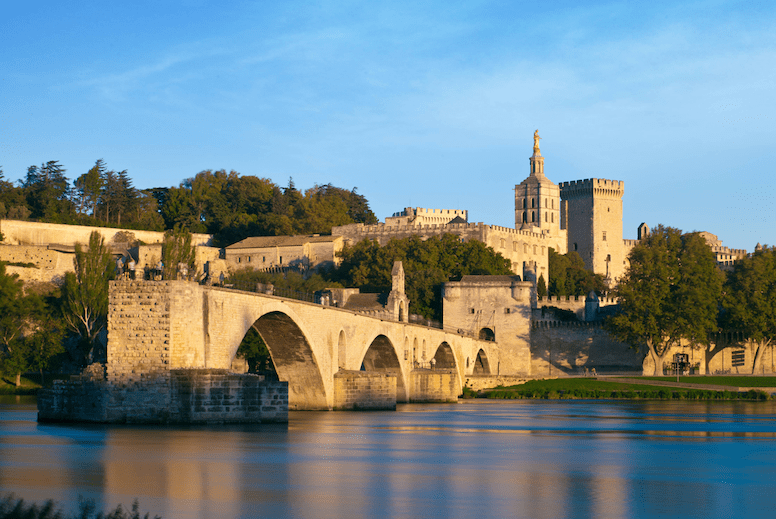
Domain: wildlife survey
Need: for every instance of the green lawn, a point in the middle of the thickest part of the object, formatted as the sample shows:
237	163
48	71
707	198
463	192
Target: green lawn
722	380
30	385
571	388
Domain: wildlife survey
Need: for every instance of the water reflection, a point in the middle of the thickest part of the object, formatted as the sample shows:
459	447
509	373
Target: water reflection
481	459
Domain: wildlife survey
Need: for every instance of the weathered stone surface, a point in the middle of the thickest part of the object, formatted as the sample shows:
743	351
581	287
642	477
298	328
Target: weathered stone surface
173	397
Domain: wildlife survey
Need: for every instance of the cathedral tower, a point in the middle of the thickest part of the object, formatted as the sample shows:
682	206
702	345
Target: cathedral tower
537	199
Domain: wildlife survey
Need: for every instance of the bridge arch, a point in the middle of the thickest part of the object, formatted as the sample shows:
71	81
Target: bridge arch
487	334
294	360
445	357
481	364
381	355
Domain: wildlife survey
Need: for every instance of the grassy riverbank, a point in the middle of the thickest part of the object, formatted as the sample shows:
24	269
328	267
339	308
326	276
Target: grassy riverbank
29	386
590	388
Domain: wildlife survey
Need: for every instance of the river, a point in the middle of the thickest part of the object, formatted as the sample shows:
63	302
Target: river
474	459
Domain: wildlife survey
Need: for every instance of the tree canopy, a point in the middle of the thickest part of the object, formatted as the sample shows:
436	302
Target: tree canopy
749	300
669	293
568	276
226	204
427	264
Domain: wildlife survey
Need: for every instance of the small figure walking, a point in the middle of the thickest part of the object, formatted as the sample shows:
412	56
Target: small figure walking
131	266
119	268
433	363
159	271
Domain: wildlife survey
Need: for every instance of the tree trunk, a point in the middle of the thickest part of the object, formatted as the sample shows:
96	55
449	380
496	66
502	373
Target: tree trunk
657	359
18	379
759	354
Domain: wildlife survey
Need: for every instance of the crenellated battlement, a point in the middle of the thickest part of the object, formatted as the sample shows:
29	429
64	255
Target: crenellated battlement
596	186
382	228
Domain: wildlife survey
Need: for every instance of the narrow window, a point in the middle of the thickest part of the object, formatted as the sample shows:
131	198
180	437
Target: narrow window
514	246
575	246
552	218
545	203
553	203
545	216
533	216
471	310
604	235
534	249
533	203
503	243
507	310
524	200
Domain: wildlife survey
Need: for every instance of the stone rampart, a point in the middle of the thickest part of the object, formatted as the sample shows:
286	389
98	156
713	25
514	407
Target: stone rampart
362	390
567	348
522	248
50	265
17	232
437	385
173	397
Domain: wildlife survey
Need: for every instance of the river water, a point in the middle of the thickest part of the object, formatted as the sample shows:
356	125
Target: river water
473	459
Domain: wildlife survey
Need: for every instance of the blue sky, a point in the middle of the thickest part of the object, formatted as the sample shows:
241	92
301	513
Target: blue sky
429	104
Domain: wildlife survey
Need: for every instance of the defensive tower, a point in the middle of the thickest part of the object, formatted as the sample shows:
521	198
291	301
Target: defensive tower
591	212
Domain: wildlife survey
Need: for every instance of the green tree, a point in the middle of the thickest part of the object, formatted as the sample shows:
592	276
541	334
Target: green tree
568	276
85	296
669	293
541	287
427	264
749	301
48	192
88	187
254	350
19	313
177	251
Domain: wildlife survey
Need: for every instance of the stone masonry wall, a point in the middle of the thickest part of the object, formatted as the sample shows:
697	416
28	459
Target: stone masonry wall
559	348
434	385
138	330
17	232
362	390
177	396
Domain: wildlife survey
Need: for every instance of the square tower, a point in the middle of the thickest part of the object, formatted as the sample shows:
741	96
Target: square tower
591	212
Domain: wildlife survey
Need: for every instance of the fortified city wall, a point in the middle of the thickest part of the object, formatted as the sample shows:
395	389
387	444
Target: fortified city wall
17	232
522	248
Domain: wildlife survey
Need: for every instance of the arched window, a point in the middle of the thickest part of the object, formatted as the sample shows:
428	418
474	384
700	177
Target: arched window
486	334
524	200
533	216
533	203
514	246
525	217
545	216
545	203
552	218
503	243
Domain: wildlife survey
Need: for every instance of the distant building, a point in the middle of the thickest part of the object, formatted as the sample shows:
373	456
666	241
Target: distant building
265	253
417	216
725	256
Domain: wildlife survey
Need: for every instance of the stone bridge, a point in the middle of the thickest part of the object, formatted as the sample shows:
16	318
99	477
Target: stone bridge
326	354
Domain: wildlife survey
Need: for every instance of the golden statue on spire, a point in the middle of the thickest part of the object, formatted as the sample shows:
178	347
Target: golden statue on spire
536	141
